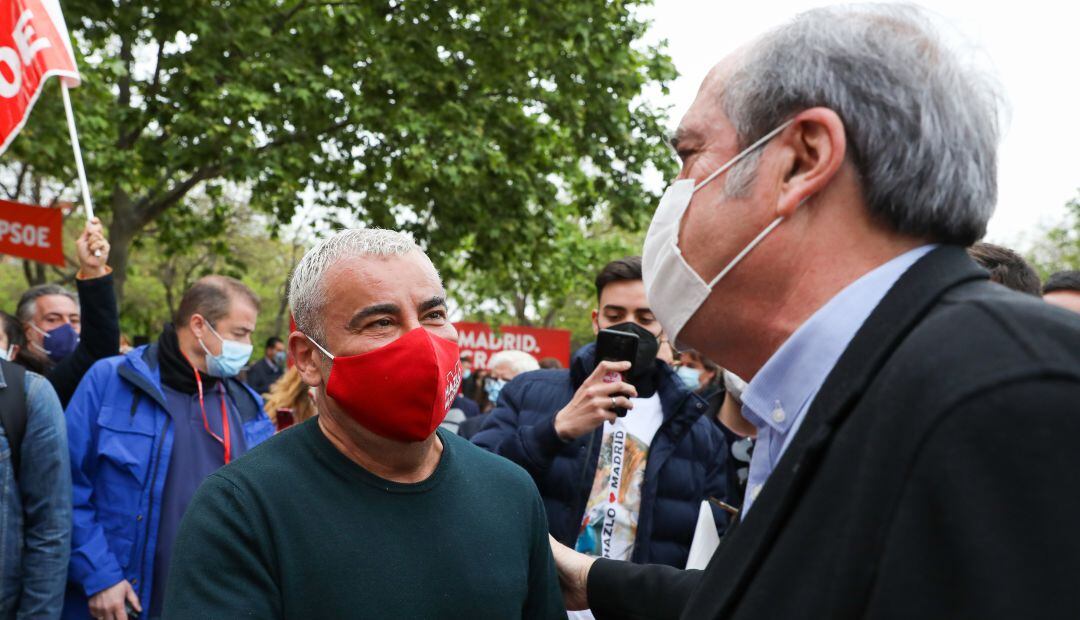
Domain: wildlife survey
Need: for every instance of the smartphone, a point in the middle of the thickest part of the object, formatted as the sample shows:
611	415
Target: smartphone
616	346
284	418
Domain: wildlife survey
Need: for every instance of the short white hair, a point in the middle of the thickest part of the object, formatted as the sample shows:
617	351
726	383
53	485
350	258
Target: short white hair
519	361
307	293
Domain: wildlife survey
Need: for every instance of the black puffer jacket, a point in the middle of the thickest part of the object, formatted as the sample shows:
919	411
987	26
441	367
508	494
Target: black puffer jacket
686	461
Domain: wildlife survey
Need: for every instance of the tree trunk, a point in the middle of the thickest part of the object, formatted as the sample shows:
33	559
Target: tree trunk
521	305
121	234
33	272
122	231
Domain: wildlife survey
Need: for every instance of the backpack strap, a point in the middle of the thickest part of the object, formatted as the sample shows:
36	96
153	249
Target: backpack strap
13	410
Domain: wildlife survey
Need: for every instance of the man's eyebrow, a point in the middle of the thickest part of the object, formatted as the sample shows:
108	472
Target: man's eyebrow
371	310
434	302
681	135
614	307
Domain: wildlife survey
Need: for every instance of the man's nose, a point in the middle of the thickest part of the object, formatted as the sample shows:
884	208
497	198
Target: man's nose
410	323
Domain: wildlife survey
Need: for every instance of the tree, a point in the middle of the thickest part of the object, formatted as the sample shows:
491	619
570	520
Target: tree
489	121
547	283
1058	247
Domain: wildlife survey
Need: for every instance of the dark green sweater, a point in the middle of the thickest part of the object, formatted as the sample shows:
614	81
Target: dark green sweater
294	529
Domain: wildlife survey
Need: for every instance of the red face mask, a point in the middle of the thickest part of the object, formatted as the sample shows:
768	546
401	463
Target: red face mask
401	391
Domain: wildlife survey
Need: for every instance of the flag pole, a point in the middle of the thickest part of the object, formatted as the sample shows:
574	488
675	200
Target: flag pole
87	204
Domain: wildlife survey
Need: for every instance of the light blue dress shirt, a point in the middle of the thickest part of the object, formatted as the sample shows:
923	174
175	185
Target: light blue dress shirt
778	397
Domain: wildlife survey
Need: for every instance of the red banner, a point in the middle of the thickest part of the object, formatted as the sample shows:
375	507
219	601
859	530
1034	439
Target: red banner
34	46
32	232
483	342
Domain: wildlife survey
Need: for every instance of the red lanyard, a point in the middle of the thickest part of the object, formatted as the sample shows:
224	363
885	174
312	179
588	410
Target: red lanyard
227	440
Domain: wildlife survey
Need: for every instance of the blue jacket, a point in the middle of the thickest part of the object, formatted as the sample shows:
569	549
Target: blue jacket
686	461
35	508
121	437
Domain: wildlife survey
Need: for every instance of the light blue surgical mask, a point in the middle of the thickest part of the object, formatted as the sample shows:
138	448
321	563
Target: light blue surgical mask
234	355
690	376
493	387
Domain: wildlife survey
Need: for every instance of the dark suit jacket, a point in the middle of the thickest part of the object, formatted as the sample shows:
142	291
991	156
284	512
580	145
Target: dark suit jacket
936	475
261	376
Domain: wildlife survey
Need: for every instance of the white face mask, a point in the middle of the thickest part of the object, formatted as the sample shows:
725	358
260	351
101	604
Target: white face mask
675	291
6	355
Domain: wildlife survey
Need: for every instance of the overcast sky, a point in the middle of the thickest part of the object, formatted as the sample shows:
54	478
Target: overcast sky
1031	46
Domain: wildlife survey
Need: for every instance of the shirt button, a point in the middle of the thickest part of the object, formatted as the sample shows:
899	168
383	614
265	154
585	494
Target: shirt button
138	518
778	415
135	581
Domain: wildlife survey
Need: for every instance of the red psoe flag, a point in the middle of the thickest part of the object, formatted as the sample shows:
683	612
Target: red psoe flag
34	46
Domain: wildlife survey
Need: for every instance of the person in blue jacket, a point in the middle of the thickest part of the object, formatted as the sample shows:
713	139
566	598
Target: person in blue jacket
627	488
144	430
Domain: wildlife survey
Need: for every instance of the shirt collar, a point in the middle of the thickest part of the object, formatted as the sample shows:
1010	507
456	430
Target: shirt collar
794	374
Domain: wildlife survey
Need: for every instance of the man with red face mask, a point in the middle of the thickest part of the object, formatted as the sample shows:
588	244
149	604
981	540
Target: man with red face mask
371	493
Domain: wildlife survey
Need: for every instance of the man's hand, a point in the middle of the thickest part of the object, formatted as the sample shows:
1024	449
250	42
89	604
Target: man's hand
109	603
93	251
592	404
573	569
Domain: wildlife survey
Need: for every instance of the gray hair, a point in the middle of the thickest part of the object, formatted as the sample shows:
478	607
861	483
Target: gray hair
28	302
519	361
307	293
922	126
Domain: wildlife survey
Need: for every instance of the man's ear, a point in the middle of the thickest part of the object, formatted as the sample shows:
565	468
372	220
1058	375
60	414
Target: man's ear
197	325
816	145
306	359
595	321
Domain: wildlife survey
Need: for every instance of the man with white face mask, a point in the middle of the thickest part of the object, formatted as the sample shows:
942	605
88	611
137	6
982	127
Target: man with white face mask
833	172
144	430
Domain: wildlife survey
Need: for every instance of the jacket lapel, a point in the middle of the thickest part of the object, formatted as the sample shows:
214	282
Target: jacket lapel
904	306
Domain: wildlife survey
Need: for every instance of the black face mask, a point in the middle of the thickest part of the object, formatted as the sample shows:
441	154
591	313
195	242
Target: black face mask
648	347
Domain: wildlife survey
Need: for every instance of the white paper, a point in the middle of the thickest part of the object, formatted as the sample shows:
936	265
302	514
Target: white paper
706	539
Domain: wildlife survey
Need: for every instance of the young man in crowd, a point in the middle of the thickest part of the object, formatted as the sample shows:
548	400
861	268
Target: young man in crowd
144	430
368	510
1006	267
625	488
65	333
263	373
1063	289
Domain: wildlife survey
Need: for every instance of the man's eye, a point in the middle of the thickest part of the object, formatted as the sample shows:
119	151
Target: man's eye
382	323
438	314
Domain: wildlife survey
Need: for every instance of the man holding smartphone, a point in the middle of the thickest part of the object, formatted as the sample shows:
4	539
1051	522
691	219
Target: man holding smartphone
624	487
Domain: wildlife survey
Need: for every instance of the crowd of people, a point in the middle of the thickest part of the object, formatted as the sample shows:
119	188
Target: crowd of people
841	385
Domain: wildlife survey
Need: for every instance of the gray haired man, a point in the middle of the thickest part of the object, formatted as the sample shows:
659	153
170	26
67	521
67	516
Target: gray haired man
916	425
368	510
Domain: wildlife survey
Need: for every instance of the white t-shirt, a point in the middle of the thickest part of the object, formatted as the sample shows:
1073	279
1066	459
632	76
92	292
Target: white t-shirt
609	526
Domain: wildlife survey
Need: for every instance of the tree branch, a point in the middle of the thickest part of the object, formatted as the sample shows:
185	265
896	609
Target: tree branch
19	181
147	114
286	17
148	209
